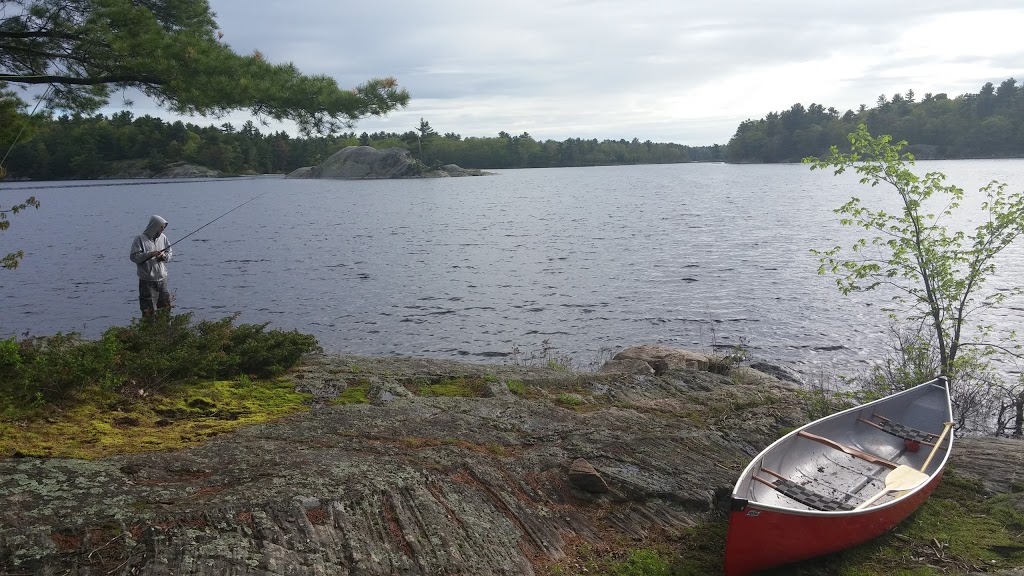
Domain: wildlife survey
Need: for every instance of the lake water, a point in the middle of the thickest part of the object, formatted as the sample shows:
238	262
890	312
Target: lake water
583	260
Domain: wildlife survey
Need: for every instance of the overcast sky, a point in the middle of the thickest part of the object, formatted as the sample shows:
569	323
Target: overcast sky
663	70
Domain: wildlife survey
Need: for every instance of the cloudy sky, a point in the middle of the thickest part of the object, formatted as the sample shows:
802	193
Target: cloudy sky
663	70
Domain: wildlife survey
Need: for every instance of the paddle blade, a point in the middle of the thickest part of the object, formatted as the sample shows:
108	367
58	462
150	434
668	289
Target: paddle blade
900	479
904	477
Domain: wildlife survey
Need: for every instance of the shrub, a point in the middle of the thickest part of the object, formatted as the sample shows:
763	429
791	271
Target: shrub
10	358
164	348
46	370
264	354
643	562
149	353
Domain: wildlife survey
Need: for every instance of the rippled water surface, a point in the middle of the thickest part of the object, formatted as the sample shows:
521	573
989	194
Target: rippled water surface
587	259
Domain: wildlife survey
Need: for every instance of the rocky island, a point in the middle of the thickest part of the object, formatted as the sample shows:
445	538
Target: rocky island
367	163
413	466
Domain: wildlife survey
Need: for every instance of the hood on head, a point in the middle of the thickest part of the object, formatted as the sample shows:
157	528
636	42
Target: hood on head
156	223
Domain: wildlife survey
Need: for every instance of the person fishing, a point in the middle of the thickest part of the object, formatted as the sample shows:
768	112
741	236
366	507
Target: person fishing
150	250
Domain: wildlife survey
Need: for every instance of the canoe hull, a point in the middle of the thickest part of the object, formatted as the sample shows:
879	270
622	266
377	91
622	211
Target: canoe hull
839	481
760	539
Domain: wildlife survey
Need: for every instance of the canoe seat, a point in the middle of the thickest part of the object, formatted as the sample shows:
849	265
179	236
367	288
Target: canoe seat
900	431
805	496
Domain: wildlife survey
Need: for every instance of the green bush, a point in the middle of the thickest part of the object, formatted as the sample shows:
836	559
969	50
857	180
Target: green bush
264	354
149	353
10	358
164	348
46	370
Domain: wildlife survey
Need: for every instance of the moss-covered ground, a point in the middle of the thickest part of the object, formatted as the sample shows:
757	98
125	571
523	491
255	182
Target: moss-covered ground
98	423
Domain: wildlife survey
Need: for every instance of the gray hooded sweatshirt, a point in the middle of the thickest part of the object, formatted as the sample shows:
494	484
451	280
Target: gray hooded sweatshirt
150	240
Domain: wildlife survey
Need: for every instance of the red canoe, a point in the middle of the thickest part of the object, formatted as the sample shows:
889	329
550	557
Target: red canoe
839	481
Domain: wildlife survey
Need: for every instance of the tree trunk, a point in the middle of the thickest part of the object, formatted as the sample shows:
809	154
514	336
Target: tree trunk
1018	427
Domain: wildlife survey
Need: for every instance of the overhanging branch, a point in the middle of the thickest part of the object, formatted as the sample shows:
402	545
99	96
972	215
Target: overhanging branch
47	34
77	81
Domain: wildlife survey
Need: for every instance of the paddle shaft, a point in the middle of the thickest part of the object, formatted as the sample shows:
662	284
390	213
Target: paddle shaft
871	500
945	430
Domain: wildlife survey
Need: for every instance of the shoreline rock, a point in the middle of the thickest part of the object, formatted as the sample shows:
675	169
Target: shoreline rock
537	462
133	169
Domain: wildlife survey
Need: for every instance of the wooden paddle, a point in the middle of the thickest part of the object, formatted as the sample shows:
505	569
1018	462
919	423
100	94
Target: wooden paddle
904	477
945	430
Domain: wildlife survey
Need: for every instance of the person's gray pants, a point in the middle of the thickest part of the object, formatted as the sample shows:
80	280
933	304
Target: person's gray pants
153	294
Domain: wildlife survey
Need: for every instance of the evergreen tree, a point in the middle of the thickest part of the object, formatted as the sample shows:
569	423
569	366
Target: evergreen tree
171	50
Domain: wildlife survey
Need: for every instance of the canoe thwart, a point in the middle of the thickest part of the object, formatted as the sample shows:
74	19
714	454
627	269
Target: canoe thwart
867	456
802	494
900	431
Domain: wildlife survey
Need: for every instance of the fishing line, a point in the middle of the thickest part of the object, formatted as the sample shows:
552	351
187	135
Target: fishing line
22	131
214	220
207	224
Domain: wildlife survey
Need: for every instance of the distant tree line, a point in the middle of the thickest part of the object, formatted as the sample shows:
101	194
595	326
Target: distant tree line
988	124
94	146
86	147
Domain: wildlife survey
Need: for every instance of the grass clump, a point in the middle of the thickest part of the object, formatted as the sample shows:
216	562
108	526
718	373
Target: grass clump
354	393
643	562
453	388
547	355
524	390
517	387
696	552
569	399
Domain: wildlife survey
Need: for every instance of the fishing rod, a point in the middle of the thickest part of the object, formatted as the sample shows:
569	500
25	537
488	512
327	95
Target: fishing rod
3	171
207	224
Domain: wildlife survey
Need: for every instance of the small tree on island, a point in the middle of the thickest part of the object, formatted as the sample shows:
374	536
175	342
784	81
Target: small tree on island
938	274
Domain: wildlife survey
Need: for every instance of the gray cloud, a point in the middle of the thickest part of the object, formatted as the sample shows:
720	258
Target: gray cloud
682	71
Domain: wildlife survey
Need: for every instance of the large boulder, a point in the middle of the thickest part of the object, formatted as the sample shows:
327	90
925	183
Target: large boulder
364	162
658	359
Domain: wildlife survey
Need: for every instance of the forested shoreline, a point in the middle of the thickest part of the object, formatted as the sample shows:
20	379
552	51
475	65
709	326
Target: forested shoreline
988	124
96	146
